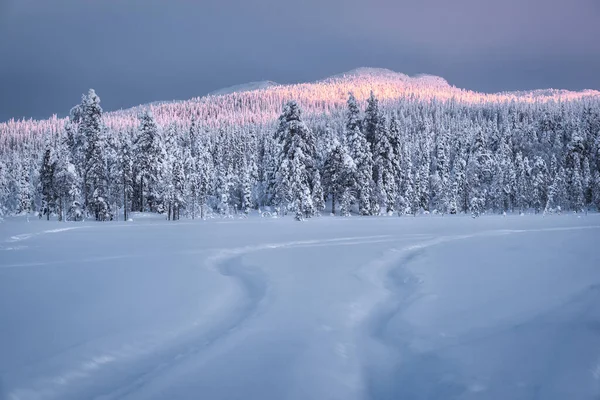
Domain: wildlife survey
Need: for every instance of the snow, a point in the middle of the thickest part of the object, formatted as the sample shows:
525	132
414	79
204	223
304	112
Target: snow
428	307
384	73
244	87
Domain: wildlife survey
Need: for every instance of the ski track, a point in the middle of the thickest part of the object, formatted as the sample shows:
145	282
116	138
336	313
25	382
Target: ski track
404	373
26	236
368	318
253	285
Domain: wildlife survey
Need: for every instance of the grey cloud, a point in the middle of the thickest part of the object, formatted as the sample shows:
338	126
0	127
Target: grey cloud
136	51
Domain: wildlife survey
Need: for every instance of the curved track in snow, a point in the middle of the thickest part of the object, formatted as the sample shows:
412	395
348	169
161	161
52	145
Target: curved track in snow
382	308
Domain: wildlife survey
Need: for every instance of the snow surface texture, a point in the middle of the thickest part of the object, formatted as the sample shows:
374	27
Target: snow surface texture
332	308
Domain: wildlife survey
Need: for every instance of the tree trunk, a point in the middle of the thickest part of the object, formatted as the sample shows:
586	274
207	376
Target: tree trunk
124	203
141	194
333	203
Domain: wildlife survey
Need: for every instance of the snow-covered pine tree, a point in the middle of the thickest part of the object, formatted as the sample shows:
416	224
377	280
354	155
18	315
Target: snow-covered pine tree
318	197
113	172
4	189
587	181
205	169
166	181
596	190
95	185
521	183
346	202
423	186
149	160
297	149
223	182
246	188
442	175
575	184
89	116
338	176
178	178
300	193
66	181
396	140
25	188
372	121
384	167
125	162
360	153
505	175
47	181
475	175
459	191
556	193
539	184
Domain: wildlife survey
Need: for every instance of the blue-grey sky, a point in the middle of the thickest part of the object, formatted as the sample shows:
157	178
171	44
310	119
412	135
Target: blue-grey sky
137	51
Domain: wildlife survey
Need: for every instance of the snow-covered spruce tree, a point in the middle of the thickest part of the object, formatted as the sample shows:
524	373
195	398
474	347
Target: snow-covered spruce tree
297	149
223	183
326	140
338	173
125	162
75	140
372	122
556	193
412	195
47	182
245	183
205	171
149	159
505	176
318	196
95	185
178	178
190	155
476	175
396	140
268	171
575	184
113	172
25	188
167	173
96	179
89	116
4	190
66	182
539	184
422	183
346	202
587	181
298	182
442	192
360	153
459	194
520	183
596	190
384	167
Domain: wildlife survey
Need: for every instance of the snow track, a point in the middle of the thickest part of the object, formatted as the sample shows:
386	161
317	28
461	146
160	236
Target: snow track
382	308
394	369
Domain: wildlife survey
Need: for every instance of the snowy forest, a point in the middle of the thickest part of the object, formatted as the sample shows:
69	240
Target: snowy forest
378	153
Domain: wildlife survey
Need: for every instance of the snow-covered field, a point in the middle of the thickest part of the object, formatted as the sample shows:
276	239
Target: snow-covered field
331	308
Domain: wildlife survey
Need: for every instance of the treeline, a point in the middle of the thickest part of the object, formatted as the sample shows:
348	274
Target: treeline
404	158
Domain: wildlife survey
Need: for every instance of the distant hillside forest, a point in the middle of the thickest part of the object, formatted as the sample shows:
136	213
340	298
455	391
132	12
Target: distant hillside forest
403	154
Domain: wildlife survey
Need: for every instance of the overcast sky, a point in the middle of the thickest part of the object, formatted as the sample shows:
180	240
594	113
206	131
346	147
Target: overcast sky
137	51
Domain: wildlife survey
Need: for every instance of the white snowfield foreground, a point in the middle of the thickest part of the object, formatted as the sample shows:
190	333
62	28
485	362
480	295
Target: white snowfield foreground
331	308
